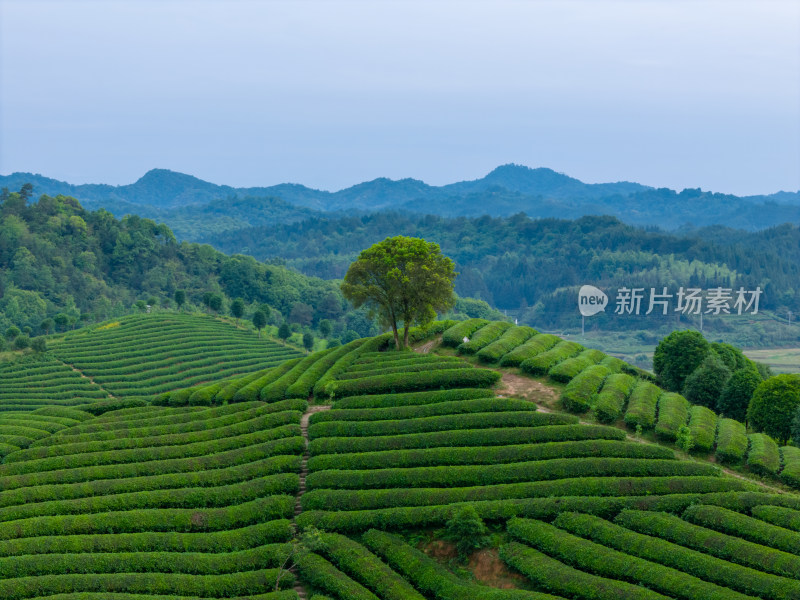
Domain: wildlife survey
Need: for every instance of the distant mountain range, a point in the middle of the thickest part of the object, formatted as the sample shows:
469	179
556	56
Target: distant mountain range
195	208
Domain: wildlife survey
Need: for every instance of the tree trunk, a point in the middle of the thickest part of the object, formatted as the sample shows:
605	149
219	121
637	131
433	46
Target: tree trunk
396	336
405	336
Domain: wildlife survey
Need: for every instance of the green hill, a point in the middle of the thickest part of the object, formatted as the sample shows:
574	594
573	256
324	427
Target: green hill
359	466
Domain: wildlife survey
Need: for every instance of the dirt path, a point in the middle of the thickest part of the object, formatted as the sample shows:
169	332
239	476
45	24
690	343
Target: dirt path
529	389
301	591
429	345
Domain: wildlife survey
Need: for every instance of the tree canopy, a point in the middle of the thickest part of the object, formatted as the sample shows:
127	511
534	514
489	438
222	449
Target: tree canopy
677	355
401	280
774	405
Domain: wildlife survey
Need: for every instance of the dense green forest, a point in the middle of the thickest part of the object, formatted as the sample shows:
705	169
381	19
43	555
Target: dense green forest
534	266
58	259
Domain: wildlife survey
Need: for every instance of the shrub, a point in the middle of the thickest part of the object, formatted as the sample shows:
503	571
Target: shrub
763	456
790	459
582	486
412	398
456	334
537	344
401	382
252	391
484	336
423	410
278	389
527	418
449	476
731	441
228	390
702	427
673	412
642	405
346	358
723	546
684	560
513	337
738	525
773	406
617	365
464	437
566	370
600	560
323	575
781	516
433	579
611	400
467	530
542	363
415	367
554	576
487	455
580	392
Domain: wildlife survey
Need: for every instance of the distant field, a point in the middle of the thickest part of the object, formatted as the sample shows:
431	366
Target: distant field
782	360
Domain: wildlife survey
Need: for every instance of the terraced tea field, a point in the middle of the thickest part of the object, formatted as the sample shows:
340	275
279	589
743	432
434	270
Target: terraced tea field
213	488
146	355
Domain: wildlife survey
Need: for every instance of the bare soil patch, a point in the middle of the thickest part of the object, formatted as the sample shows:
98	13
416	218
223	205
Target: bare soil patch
487	568
529	389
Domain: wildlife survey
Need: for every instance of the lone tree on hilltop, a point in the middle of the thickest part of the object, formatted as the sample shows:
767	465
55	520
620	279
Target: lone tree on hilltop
180	298
401	279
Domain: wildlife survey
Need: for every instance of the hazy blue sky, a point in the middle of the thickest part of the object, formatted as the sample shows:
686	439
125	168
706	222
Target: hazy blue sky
664	92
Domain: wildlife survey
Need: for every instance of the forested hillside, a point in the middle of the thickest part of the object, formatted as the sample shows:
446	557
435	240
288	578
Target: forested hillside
58	259
518	262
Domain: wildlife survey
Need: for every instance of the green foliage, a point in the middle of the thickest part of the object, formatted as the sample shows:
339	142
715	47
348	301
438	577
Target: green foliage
412	398
484	336
579	393
467	530
683	439
541	363
401	279
237	308
642	405
284	331
610	402
673	413
512	338
736	395
566	370
21	342
790	459
323	575
763	456
677	356
731	441
781	516
702	428
535	345
454	336
557	577
723	546
39	344
704	384
684	560
773	406
12	332
600	560
423	380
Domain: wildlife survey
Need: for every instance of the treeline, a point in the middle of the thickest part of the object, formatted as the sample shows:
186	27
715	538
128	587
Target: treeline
61	265
535	266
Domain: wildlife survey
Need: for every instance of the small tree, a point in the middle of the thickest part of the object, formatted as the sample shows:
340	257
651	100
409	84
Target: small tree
237	309
152	302
684	439
180	298
61	320
736	395
39	344
704	385
677	356
284	331
259	321
467	530
215	303
774	405
21	342
308	341
325	328
46	326
12	332
401	279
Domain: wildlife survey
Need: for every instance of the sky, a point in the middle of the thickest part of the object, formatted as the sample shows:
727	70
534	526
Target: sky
668	93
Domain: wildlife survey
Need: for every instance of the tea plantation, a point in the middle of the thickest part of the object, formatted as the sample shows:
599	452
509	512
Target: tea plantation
175	457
